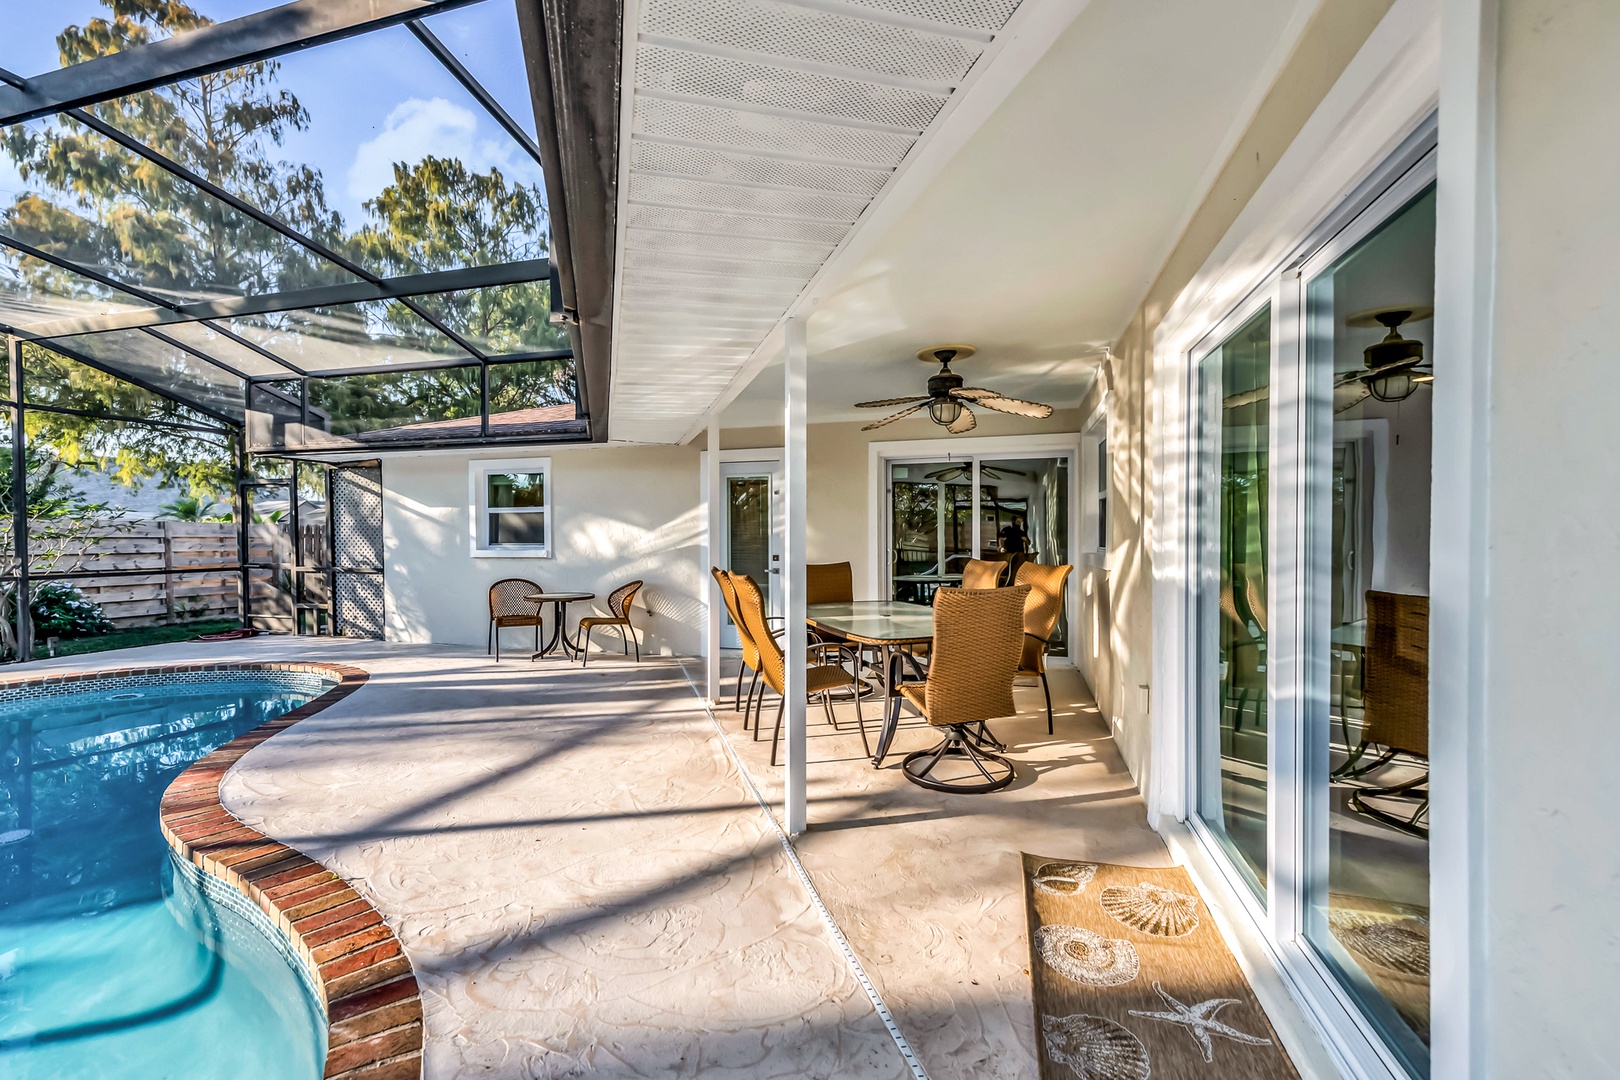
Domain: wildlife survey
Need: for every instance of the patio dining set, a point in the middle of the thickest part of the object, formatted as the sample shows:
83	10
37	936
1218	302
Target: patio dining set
521	602
954	662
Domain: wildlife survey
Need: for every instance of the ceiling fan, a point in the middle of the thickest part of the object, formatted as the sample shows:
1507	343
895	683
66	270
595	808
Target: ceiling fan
952	473
1392	369
947	399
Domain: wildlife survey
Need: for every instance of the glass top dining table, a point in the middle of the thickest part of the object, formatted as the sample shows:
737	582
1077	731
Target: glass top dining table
887	626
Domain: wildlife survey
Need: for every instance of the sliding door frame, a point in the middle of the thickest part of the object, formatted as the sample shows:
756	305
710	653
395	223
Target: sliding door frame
1295	578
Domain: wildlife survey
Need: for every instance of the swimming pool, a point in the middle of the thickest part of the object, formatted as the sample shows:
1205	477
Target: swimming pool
116	959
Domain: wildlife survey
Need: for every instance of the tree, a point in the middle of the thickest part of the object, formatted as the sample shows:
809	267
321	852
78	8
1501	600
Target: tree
133	453
439	214
101	205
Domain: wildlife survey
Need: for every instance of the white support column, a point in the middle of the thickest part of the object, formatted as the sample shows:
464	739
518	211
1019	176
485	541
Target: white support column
713	502
795	463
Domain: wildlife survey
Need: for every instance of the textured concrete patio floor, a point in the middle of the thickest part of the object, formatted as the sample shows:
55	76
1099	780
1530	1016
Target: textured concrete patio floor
927	887
570	859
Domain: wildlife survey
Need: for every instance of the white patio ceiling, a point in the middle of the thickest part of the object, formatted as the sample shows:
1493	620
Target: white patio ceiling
759	132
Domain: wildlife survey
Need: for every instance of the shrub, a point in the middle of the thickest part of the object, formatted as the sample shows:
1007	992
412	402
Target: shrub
61	610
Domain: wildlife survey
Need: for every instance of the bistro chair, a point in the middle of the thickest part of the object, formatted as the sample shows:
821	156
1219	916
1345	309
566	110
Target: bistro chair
508	608
978	639
820	678
1395	701
619	601
983	574
1042	609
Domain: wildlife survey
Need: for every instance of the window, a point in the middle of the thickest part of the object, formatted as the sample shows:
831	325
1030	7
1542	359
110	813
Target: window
511	507
1094	488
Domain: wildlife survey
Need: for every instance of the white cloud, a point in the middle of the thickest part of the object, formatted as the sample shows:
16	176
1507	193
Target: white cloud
419	127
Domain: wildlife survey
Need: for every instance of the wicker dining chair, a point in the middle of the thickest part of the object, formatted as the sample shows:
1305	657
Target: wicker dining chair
1395	699
978	639
750	654
1041	612
508	608
983	574
829	583
619	601
820	677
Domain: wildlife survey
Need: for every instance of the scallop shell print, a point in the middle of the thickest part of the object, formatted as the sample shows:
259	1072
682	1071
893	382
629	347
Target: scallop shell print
1086	957
1064	878
1399	943
1095	1048
1152	909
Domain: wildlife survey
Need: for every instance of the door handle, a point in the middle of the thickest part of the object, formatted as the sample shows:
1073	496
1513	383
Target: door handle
774	570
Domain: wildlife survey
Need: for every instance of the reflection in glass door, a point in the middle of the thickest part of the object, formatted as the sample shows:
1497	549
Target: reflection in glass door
1233	507
944	513
1370	310
750	533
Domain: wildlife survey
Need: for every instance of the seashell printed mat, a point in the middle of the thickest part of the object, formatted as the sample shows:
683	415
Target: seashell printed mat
1132	980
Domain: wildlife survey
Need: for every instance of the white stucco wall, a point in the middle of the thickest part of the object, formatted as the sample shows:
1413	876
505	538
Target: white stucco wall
618	513
1549	867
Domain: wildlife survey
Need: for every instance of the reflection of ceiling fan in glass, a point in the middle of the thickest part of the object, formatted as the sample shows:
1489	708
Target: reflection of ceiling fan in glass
947	399
1393	368
952	473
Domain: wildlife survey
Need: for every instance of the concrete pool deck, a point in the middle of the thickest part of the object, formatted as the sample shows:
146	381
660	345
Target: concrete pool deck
585	885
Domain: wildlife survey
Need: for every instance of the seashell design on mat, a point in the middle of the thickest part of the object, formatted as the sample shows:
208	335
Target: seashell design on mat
1397	942
1152	909
1095	1048
1087	957
1063	878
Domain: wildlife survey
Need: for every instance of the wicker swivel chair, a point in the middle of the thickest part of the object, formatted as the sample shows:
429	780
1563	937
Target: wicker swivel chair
1395	694
1041	612
983	574
978	639
619	601
819	677
508	608
829	583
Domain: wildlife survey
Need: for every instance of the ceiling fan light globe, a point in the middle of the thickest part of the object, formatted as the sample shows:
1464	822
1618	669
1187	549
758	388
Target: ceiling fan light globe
945	411
1394	387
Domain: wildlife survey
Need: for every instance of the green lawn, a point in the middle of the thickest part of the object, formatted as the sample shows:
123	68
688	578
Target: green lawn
145	635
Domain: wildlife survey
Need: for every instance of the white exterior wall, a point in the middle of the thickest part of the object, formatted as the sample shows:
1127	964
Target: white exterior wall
1547	875
618	513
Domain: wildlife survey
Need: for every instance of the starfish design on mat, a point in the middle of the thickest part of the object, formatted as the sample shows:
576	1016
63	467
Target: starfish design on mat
1200	1022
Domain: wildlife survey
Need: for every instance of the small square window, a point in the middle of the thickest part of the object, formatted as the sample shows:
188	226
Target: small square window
511	507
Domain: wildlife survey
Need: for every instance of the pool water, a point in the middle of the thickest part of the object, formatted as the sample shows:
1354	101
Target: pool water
117	960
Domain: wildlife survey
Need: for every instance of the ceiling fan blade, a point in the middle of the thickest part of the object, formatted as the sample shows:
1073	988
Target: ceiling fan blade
973	393
963	423
1015	406
902	414
1349	396
884	402
1246	397
954	472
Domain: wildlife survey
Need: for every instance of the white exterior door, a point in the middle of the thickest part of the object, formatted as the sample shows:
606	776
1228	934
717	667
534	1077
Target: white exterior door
751	531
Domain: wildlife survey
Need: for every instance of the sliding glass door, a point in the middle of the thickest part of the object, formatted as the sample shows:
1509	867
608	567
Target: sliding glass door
1369	309
944	511
1234	499
1308	554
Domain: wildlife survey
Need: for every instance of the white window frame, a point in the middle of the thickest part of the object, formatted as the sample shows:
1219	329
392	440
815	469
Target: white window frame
1094	444
478	472
1367	151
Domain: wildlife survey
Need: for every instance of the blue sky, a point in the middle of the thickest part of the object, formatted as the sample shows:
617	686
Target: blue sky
373	100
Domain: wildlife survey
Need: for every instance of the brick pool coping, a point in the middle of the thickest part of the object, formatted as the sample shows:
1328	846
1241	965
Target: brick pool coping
368	989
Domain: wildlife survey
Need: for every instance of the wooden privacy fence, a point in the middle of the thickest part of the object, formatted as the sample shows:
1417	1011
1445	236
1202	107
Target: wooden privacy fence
200	557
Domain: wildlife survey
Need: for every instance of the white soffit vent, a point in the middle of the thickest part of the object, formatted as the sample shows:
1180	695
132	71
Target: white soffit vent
758	133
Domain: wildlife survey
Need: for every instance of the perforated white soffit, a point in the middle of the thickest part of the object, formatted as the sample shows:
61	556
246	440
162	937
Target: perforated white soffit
760	131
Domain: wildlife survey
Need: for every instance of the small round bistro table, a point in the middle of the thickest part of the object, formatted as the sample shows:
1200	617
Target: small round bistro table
559	602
